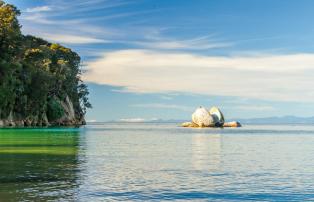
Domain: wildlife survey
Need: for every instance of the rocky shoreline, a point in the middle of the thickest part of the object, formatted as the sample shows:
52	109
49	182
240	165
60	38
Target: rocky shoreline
34	123
68	119
232	124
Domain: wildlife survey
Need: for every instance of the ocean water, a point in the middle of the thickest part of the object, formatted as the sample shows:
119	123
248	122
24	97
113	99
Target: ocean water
157	162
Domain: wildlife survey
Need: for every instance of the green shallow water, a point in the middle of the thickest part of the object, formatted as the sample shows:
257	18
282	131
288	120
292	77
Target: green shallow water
36	162
34	141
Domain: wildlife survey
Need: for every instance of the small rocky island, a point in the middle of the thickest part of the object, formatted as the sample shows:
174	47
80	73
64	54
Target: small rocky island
40	82
202	118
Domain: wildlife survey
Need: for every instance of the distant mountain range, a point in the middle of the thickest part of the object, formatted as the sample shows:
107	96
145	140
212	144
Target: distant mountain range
266	120
278	120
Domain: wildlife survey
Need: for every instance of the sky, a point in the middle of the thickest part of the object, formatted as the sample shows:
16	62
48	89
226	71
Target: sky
161	59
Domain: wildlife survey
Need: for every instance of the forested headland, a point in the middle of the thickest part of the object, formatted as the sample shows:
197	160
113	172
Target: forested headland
40	82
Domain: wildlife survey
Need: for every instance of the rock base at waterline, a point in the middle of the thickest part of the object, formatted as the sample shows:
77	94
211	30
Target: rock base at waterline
233	124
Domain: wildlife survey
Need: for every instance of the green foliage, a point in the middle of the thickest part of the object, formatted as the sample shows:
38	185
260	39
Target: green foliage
54	110
34	72
9	31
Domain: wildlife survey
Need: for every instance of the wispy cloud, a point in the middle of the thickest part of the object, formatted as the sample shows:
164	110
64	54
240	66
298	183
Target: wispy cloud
65	31
135	120
73	39
175	45
38	9
81	7
43	19
199	43
253	107
163	106
164	97
272	77
77	23
91	121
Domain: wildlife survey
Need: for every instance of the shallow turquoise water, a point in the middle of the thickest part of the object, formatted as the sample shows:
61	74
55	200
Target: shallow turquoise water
158	162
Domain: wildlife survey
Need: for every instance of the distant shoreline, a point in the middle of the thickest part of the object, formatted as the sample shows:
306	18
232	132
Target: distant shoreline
265	120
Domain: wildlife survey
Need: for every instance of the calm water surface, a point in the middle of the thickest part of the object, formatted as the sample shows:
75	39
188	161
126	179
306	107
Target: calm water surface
156	162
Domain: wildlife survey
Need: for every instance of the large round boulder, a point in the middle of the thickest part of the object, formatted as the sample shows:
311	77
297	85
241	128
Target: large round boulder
202	118
217	116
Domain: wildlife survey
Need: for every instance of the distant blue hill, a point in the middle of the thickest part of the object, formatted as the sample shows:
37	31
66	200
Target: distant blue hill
278	120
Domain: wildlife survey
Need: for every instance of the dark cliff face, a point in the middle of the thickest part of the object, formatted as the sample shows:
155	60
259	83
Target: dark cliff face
40	82
69	118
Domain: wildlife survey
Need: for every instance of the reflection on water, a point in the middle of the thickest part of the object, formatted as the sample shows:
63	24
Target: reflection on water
206	151
38	164
155	162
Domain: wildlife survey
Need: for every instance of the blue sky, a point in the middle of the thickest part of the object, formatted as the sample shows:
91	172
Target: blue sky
148	59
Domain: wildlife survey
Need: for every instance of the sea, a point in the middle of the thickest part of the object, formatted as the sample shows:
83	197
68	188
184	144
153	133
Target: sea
157	162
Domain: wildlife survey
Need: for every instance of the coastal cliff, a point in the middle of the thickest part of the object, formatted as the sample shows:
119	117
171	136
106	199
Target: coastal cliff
40	82
69	118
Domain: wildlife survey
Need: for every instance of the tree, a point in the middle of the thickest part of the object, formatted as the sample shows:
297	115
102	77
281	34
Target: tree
10	33
35	75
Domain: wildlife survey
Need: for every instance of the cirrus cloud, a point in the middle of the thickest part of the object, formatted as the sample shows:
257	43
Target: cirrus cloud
73	39
38	9
163	106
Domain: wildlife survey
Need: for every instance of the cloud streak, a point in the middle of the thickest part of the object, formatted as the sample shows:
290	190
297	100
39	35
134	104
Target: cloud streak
136	120
72	39
163	106
201	43
38	9
64	26
253	108
77	23
270	77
